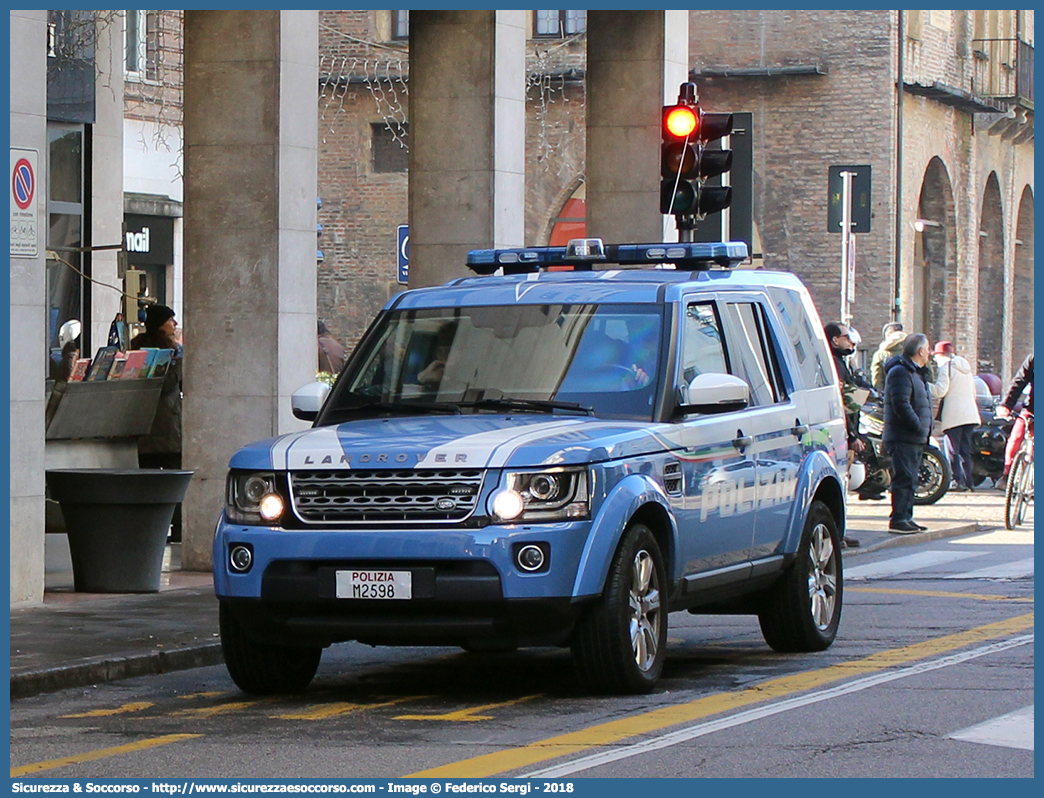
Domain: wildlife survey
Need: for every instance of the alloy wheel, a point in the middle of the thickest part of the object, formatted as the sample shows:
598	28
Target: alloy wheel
644	602
822	576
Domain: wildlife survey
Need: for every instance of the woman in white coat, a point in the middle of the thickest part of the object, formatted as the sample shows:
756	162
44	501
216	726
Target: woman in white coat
959	411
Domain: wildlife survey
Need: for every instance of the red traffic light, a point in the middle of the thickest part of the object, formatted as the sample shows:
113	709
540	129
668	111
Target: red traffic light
680	121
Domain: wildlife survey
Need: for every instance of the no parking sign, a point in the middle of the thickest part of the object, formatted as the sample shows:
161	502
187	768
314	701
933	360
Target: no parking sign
25	239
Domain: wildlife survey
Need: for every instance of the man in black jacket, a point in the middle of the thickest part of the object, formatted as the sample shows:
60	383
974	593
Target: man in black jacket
907	425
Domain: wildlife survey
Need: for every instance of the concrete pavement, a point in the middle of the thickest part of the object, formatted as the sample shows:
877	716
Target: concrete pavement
77	639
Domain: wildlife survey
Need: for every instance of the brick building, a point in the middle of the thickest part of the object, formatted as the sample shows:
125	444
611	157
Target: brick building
951	157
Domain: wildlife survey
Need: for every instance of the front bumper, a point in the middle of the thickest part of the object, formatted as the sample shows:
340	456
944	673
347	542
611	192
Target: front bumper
467	589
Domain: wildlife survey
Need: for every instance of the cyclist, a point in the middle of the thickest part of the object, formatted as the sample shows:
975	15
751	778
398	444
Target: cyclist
1023	380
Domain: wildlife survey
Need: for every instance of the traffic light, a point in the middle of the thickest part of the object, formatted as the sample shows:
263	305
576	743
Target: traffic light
686	162
678	159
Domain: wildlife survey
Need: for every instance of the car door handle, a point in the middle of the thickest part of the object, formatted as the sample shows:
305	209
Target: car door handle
799	430
742	441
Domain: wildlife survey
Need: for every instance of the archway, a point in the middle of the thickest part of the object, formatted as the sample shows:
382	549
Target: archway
991	279
1022	305
935	256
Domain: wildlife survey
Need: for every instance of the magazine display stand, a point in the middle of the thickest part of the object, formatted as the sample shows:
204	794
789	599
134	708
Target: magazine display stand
102	409
117	521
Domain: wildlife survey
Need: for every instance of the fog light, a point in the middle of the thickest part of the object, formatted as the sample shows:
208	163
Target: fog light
530	558
508	505
271	507
241	558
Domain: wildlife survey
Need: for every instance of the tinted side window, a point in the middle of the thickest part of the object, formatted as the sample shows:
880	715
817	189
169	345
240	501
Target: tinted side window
813	362
703	348
754	353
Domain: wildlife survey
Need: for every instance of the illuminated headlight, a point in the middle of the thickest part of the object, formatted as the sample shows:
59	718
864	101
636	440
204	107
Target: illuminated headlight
252	498
554	494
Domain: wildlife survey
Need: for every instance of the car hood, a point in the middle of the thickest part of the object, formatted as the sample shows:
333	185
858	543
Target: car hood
455	442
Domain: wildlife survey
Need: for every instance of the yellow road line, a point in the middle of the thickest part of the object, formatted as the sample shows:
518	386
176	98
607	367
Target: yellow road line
189	696
136	706
323	711
103	753
220	709
937	594
615	731
465	715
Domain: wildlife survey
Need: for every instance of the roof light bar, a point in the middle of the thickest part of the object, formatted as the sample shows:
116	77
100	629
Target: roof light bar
583	253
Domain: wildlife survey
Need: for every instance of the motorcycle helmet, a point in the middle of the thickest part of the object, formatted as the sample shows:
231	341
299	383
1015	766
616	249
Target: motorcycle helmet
856	475
69	332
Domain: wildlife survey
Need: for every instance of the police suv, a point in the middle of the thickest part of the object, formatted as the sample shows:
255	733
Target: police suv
559	451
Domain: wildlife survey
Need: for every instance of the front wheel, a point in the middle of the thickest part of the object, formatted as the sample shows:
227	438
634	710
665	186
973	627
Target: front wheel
803	610
263	668
933	477
1015	491
620	642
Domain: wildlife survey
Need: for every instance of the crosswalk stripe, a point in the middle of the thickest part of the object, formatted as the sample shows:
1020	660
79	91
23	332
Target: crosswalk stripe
1014	730
1019	569
911	562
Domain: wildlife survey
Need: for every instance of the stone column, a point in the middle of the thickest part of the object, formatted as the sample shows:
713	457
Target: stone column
251	93
27	333
636	60
106	180
467	138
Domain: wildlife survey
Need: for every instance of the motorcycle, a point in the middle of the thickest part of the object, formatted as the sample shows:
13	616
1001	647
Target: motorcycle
933	477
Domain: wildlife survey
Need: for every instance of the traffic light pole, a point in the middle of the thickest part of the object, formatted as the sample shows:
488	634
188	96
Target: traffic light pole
847	265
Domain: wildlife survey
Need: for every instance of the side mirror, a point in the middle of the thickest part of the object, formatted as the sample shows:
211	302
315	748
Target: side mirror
307	401
713	393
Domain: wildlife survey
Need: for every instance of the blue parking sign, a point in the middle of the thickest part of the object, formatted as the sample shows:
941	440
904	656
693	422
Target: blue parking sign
404	253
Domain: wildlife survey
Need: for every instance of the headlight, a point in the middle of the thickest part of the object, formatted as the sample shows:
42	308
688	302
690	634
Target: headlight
554	494
252	498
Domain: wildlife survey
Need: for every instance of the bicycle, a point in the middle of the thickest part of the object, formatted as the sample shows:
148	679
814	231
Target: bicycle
1019	490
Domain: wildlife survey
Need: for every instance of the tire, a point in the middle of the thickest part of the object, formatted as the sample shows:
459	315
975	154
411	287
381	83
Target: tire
620	642
262	668
933	477
1014	492
803	610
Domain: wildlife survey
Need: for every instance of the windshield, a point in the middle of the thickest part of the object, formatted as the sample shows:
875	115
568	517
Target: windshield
528	358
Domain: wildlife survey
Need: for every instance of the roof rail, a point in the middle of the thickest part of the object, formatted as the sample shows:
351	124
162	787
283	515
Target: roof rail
582	254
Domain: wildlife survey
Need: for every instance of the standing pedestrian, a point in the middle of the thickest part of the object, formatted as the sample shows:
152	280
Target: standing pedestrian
1023	380
841	346
331	353
907	425
958	414
161	448
892	337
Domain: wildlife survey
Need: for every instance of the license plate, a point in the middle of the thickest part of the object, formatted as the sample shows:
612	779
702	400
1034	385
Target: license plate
369	584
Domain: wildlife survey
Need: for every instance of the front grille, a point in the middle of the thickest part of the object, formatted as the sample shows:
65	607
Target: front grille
356	497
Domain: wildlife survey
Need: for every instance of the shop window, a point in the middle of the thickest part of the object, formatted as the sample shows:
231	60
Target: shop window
559	23
390	147
67	294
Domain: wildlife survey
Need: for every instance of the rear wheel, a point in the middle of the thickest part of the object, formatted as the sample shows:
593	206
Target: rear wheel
933	477
1015	492
620	642
803	610
262	668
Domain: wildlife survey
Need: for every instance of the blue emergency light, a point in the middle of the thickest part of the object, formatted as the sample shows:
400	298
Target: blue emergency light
581	254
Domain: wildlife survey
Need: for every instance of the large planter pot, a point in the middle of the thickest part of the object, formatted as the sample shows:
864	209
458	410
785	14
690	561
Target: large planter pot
117	522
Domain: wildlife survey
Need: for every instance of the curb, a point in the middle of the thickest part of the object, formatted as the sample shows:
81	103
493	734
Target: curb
894	541
111	669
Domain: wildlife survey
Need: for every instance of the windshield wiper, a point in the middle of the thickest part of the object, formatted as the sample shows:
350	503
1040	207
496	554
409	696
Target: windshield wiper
373	403
541	405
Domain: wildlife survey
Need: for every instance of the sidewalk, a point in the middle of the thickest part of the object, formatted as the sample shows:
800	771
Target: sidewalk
77	639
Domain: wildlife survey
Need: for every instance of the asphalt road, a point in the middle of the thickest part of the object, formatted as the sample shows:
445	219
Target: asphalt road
936	641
